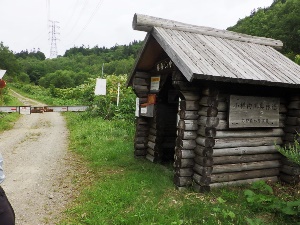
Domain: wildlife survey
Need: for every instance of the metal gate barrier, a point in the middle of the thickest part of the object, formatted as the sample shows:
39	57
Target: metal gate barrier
26	110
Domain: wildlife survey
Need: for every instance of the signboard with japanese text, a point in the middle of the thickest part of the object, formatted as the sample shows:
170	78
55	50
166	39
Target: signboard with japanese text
155	83
252	111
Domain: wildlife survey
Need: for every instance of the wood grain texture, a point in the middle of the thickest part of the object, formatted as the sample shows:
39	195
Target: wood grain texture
146	23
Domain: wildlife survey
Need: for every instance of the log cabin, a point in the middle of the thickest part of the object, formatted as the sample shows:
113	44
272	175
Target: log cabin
215	103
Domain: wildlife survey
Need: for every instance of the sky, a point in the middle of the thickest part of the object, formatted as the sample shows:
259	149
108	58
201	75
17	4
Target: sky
24	24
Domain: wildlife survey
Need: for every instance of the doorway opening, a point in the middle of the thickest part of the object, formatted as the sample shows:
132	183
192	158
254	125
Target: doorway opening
166	119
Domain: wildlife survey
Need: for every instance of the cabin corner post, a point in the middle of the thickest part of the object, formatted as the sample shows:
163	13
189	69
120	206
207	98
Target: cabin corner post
206	133
140	84
186	132
290	171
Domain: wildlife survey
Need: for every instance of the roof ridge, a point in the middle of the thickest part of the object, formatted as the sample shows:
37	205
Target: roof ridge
147	23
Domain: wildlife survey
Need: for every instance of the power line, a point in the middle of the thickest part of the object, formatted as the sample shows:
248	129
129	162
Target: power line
72	14
48	9
89	20
78	18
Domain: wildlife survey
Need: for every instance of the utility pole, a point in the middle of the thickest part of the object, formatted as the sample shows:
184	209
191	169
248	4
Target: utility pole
53	38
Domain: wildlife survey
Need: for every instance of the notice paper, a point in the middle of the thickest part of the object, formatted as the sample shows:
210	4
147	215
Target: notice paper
2	72
100	88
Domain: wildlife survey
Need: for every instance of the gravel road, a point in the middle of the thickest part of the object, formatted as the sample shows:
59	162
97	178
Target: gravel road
39	169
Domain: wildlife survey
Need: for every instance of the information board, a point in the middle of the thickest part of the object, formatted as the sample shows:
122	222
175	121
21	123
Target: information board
253	111
100	88
154	86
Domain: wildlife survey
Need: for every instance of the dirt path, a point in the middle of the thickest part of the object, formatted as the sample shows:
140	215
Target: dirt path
39	169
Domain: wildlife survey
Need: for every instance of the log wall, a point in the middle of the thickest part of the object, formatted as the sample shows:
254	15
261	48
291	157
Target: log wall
206	133
206	152
289	171
233	156
141	137
141	83
154	152
155	136
162	133
186	132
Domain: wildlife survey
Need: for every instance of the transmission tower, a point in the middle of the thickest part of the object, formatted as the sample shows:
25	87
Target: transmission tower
53	38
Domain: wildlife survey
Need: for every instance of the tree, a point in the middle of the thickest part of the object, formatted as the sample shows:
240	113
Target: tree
279	21
33	54
8	62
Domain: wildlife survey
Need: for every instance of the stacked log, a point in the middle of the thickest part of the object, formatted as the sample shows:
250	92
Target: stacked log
181	83
186	136
154	138
141	84
162	133
207	122
233	156
289	171
292	123
141	137
244	155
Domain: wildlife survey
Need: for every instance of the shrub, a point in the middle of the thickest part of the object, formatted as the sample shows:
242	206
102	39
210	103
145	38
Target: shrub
292	151
261	197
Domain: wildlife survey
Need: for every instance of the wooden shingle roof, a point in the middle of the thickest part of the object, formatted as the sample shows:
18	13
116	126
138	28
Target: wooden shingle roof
219	55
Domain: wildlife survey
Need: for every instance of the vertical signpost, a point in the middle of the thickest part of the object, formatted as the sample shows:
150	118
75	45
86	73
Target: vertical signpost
118	97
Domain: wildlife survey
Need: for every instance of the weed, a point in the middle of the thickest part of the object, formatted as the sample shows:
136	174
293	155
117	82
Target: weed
292	151
261	198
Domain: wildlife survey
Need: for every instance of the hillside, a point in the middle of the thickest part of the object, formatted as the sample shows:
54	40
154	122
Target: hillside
279	21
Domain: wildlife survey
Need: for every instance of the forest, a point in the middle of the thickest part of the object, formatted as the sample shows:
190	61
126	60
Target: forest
69	70
280	21
79	66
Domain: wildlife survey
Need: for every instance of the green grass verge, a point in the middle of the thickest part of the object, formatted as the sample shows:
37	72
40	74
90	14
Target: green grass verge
122	190
134	191
7	119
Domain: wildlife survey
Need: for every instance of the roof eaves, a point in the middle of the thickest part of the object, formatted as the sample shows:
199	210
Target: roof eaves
242	81
174	56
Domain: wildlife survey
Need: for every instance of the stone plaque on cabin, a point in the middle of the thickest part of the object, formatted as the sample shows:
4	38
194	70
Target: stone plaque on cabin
252	111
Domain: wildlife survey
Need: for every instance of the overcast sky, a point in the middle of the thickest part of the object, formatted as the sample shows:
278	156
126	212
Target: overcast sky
24	23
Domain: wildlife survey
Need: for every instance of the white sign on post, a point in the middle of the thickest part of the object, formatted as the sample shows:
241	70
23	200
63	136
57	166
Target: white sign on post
2	72
137	107
100	88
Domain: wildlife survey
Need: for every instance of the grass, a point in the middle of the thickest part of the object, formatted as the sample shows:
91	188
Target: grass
125	190
7	119
119	189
